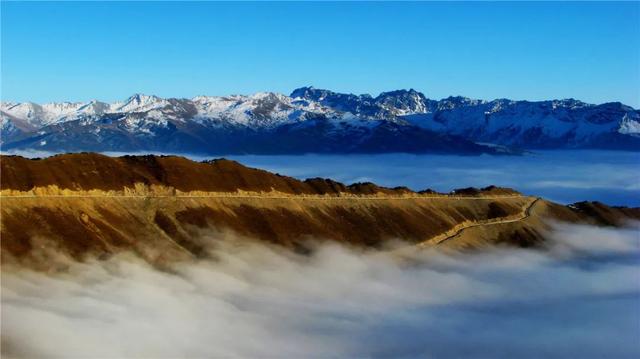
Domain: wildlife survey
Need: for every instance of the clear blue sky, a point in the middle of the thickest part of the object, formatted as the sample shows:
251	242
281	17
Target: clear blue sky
108	51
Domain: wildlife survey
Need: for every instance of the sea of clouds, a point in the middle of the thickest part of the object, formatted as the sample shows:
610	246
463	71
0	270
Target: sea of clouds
566	176
578	298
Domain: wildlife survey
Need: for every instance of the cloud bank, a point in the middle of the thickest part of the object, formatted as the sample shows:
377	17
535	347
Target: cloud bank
564	176
578	299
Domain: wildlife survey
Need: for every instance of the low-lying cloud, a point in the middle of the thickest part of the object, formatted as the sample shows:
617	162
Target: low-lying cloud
578	299
564	176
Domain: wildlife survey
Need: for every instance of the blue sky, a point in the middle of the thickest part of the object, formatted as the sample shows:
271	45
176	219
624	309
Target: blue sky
108	51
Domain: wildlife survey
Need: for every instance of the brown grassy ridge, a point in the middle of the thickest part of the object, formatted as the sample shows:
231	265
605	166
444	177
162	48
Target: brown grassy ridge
160	228
170	208
144	190
90	171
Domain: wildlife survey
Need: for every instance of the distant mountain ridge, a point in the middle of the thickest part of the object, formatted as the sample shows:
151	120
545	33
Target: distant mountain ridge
320	121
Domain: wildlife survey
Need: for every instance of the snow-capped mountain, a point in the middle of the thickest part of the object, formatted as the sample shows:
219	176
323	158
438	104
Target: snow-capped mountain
544	124
564	123
316	120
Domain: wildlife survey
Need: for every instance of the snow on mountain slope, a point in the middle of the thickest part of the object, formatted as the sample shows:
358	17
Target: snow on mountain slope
386	106
565	123
265	109
630	125
139	103
324	114
259	110
52	113
40	115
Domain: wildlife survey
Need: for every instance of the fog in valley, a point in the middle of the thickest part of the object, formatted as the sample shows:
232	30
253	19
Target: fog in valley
611	177
577	298
566	176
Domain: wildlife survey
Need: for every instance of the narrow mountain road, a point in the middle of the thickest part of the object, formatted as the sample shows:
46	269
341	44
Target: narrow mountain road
257	196
526	213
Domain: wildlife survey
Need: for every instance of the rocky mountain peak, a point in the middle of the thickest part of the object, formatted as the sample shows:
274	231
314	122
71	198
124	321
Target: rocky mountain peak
324	118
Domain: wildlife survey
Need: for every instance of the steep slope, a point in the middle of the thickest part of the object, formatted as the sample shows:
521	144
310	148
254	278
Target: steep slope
83	206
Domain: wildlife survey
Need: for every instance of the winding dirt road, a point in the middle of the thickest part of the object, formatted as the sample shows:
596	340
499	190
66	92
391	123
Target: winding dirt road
526	213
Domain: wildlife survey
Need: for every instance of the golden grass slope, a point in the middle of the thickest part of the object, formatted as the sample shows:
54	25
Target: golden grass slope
161	228
79	206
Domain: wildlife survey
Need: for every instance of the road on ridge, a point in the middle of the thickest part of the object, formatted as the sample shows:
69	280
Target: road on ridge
526	213
316	198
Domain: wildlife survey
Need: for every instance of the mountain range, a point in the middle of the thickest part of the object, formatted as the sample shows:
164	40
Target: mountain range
312	120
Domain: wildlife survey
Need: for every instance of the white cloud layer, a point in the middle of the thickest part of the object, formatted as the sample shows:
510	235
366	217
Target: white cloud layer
579	299
563	176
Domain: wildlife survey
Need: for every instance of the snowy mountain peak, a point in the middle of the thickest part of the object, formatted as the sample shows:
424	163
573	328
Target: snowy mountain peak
566	122
403	102
141	102
307	92
142	98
